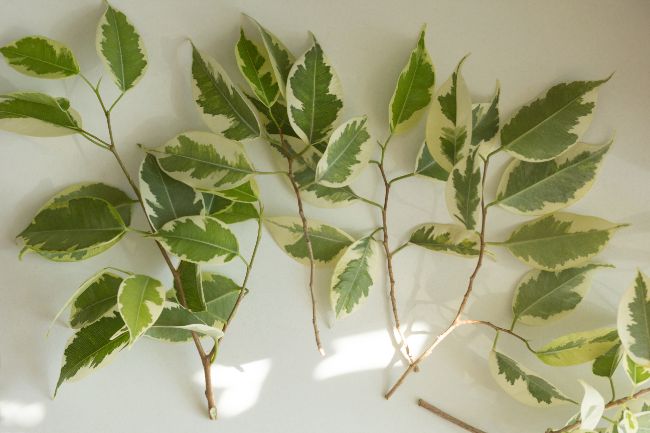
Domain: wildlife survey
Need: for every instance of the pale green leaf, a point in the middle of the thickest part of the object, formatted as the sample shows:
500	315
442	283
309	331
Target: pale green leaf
223	107
38	56
38	115
578	347
637	373
176	324
190	276
207	162
592	408
413	90
354	274
347	154
551	124
560	240
121	49
256	68
140	301
199	239
221	294
426	166
447	238
313	96
328	243
633	320
463	191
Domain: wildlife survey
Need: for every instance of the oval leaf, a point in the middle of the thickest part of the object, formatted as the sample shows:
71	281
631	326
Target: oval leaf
551	124
75	230
463	191
257	70
347	153
96	297
354	274
190	275
426	166
206	162
38	56
199	239
413	90
605	365
449	123
578	348
313	96
543	296
560	240
223	107
38	115
121	49
485	120
176	324
633	318
221	294
140	301
328	242
592	408
237	212
447	238
522	384
247	192
529	188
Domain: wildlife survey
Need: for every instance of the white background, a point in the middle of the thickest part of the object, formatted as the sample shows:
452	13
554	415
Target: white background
269	376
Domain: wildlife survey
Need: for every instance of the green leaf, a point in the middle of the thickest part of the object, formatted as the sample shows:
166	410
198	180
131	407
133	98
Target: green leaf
530	188
274	119
560	240
413	91
38	115
247	192
328	243
522	384
633	319
238	212
213	204
223	107
221	294
280	57
605	365
485	120
347	154
354	274
164	197
426	166
543	296
551	124
463	191
207	162
256	68
38	56
190	276
114	196
199	239
637	373
177	323
447	238
76	229
140	301
92	347
579	347
313	96
449	123
121	49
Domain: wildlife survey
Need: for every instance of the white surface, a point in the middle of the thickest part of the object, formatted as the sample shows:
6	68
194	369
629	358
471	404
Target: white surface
269	376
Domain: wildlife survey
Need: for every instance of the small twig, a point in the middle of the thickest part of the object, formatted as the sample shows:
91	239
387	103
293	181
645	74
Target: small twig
447	417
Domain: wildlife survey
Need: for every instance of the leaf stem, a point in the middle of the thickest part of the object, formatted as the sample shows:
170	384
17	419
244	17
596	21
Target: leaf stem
402	177
448	417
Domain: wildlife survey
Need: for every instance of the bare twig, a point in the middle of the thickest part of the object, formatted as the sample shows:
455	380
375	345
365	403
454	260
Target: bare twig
447	417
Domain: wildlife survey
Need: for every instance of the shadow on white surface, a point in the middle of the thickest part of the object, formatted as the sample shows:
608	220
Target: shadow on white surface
16	414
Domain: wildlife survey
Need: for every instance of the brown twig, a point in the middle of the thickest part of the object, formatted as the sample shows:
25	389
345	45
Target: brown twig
447	417
456	322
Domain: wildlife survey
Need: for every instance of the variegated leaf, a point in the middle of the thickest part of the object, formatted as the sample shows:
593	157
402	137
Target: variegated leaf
121	49
41	57
328	243
221	294
207	162
463	191
190	276
96	297
579	347
354	274
560	240
274	119
38	115
605	365
551	124
544	296
247	192
426	166
522	384
176	324
223	106
530	188
313	96
199	239
92	347
140	301
635	372
238	212
347	154
447	238
633	318
164	197
279	55
592	408
213	204
485	121
413	90
449	123
256	68
74	230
